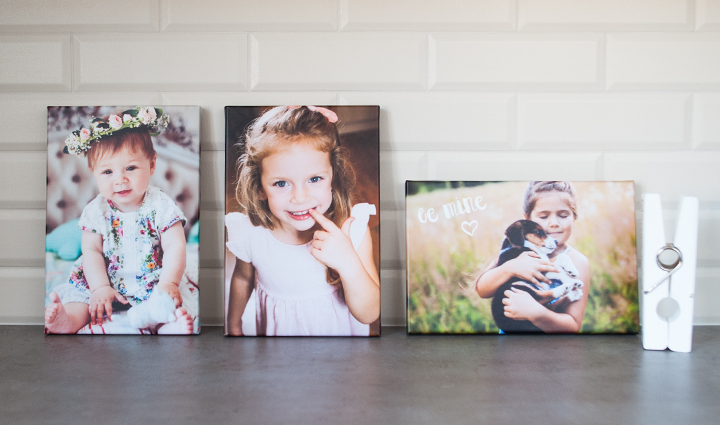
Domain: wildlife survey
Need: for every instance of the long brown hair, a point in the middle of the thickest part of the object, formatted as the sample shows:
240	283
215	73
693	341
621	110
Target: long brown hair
277	129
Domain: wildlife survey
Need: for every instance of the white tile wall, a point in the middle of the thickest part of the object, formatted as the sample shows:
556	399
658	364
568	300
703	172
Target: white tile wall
706	121
395	168
24	294
660	61
336	61
427	15
212	180
22	238
29	168
160	62
671	174
35	62
494	166
479	90
78	15
392	239
515	62
392	297
604	121
605	15
708	15
249	15
707	291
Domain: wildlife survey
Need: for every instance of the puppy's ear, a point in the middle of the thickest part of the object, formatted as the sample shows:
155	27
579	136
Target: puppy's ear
516	234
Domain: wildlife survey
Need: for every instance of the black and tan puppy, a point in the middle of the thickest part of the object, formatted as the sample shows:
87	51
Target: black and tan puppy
526	235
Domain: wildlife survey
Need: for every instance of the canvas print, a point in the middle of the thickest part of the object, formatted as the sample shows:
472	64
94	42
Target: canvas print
122	220
521	257
302	221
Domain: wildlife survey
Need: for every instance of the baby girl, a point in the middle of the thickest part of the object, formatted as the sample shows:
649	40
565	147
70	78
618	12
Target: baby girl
133	241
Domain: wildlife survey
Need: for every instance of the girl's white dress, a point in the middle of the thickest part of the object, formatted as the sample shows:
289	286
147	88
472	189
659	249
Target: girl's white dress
293	296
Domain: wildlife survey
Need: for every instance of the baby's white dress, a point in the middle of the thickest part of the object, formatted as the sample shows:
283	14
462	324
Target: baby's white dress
293	296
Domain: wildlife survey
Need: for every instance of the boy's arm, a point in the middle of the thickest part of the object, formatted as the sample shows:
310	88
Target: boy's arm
96	276
242	283
173	261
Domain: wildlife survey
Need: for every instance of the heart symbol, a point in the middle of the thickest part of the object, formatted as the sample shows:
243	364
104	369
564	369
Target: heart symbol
471	227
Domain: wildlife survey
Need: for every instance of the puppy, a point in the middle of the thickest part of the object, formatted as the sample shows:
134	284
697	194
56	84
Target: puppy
526	235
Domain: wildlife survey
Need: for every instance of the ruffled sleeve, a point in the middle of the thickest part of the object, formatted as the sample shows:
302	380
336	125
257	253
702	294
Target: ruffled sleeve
167	212
238	233
93	217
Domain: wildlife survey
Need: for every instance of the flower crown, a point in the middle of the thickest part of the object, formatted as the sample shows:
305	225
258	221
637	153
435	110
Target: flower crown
79	141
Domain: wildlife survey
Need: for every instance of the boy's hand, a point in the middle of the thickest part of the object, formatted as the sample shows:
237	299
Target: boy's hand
172	290
101	303
332	246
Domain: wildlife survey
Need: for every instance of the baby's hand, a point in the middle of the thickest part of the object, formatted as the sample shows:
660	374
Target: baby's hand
172	290
101	303
332	245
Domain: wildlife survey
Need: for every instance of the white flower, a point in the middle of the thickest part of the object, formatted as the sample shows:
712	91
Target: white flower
127	118
85	134
115	122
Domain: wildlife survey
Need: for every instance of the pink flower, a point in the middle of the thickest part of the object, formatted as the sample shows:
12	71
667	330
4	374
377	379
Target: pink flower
147	115
115	122
127	118
85	134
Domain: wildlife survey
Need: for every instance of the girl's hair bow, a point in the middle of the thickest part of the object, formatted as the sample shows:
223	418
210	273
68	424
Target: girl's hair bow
330	115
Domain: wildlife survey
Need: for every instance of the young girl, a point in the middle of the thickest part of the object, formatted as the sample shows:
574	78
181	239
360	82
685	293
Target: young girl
553	206
292	238
133	241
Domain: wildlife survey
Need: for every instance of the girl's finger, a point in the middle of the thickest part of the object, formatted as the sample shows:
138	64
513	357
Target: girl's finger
316	253
317	244
320	235
525	284
323	221
540	277
108	309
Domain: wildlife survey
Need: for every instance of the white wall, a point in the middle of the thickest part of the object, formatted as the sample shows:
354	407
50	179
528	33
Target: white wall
604	89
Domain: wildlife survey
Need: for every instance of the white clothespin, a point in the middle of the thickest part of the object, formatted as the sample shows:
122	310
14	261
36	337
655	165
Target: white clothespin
668	282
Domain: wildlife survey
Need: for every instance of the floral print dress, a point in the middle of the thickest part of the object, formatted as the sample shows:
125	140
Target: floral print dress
131	242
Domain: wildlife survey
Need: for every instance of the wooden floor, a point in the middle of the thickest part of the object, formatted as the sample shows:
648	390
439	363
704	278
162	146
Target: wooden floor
393	379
